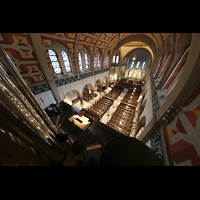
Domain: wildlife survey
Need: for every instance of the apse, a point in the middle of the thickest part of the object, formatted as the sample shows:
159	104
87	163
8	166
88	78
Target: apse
139	59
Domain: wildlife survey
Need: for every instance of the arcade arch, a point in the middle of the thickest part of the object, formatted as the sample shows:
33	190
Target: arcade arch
88	92
72	97
105	84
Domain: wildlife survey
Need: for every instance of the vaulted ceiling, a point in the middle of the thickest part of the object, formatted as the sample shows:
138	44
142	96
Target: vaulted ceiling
20	49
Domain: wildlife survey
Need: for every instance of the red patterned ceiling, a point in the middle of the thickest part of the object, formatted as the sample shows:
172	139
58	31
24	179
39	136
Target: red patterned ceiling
20	49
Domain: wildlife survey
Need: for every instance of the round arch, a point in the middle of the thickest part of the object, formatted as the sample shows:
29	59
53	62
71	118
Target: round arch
88	86
98	86
96	53
144	102
105	83
71	96
88	92
143	120
140	38
106	53
60	46
97	83
128	55
85	50
137	73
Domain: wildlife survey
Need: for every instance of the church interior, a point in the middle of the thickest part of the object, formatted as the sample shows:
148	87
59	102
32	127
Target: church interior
99	99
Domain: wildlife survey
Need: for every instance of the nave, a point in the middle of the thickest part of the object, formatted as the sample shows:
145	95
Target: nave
117	108
103	104
123	117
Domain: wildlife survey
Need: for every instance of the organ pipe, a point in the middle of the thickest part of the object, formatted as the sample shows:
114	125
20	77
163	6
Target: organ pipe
23	116
17	79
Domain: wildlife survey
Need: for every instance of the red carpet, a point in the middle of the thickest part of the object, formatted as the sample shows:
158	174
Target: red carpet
129	84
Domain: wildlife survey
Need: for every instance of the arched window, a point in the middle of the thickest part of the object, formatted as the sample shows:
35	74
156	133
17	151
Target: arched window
106	61
132	64
80	61
95	61
86	61
99	61
54	61
137	66
115	59
66	61
143	66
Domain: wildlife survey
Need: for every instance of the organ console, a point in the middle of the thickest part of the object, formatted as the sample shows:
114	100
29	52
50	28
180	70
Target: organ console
82	122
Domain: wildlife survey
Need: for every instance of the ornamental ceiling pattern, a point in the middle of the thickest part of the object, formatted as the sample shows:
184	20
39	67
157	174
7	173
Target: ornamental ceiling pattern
21	51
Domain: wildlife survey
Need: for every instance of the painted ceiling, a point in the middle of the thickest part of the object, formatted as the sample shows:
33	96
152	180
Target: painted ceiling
21	51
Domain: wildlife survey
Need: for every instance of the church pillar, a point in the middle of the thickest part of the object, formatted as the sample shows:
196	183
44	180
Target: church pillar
39	50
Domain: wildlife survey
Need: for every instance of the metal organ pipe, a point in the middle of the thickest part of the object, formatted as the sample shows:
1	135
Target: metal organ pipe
18	115
16	78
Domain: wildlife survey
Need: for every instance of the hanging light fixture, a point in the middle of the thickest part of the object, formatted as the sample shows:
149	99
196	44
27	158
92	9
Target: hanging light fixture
133	59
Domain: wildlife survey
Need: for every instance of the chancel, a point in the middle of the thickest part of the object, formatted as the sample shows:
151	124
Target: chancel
99	99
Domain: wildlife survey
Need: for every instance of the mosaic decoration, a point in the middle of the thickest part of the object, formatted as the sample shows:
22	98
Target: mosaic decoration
97	72
82	76
66	81
156	145
19	48
156	142
105	69
40	88
183	132
155	102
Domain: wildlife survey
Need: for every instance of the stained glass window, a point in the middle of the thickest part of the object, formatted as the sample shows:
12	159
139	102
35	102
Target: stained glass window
106	60
86	61
54	61
99	62
113	59
66	61
95	61
80	61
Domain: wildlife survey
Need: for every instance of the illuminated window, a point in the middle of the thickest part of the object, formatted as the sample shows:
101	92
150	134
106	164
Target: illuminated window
117	59
54	61
137	66
86	61
113	59
98	61
95	61
132	64
143	65
106	60
66	61
80	61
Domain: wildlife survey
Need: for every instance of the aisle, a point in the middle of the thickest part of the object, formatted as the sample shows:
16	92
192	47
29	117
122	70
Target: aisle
107	116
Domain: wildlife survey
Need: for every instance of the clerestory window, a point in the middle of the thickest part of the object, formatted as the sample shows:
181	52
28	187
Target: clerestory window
54	61
66	61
